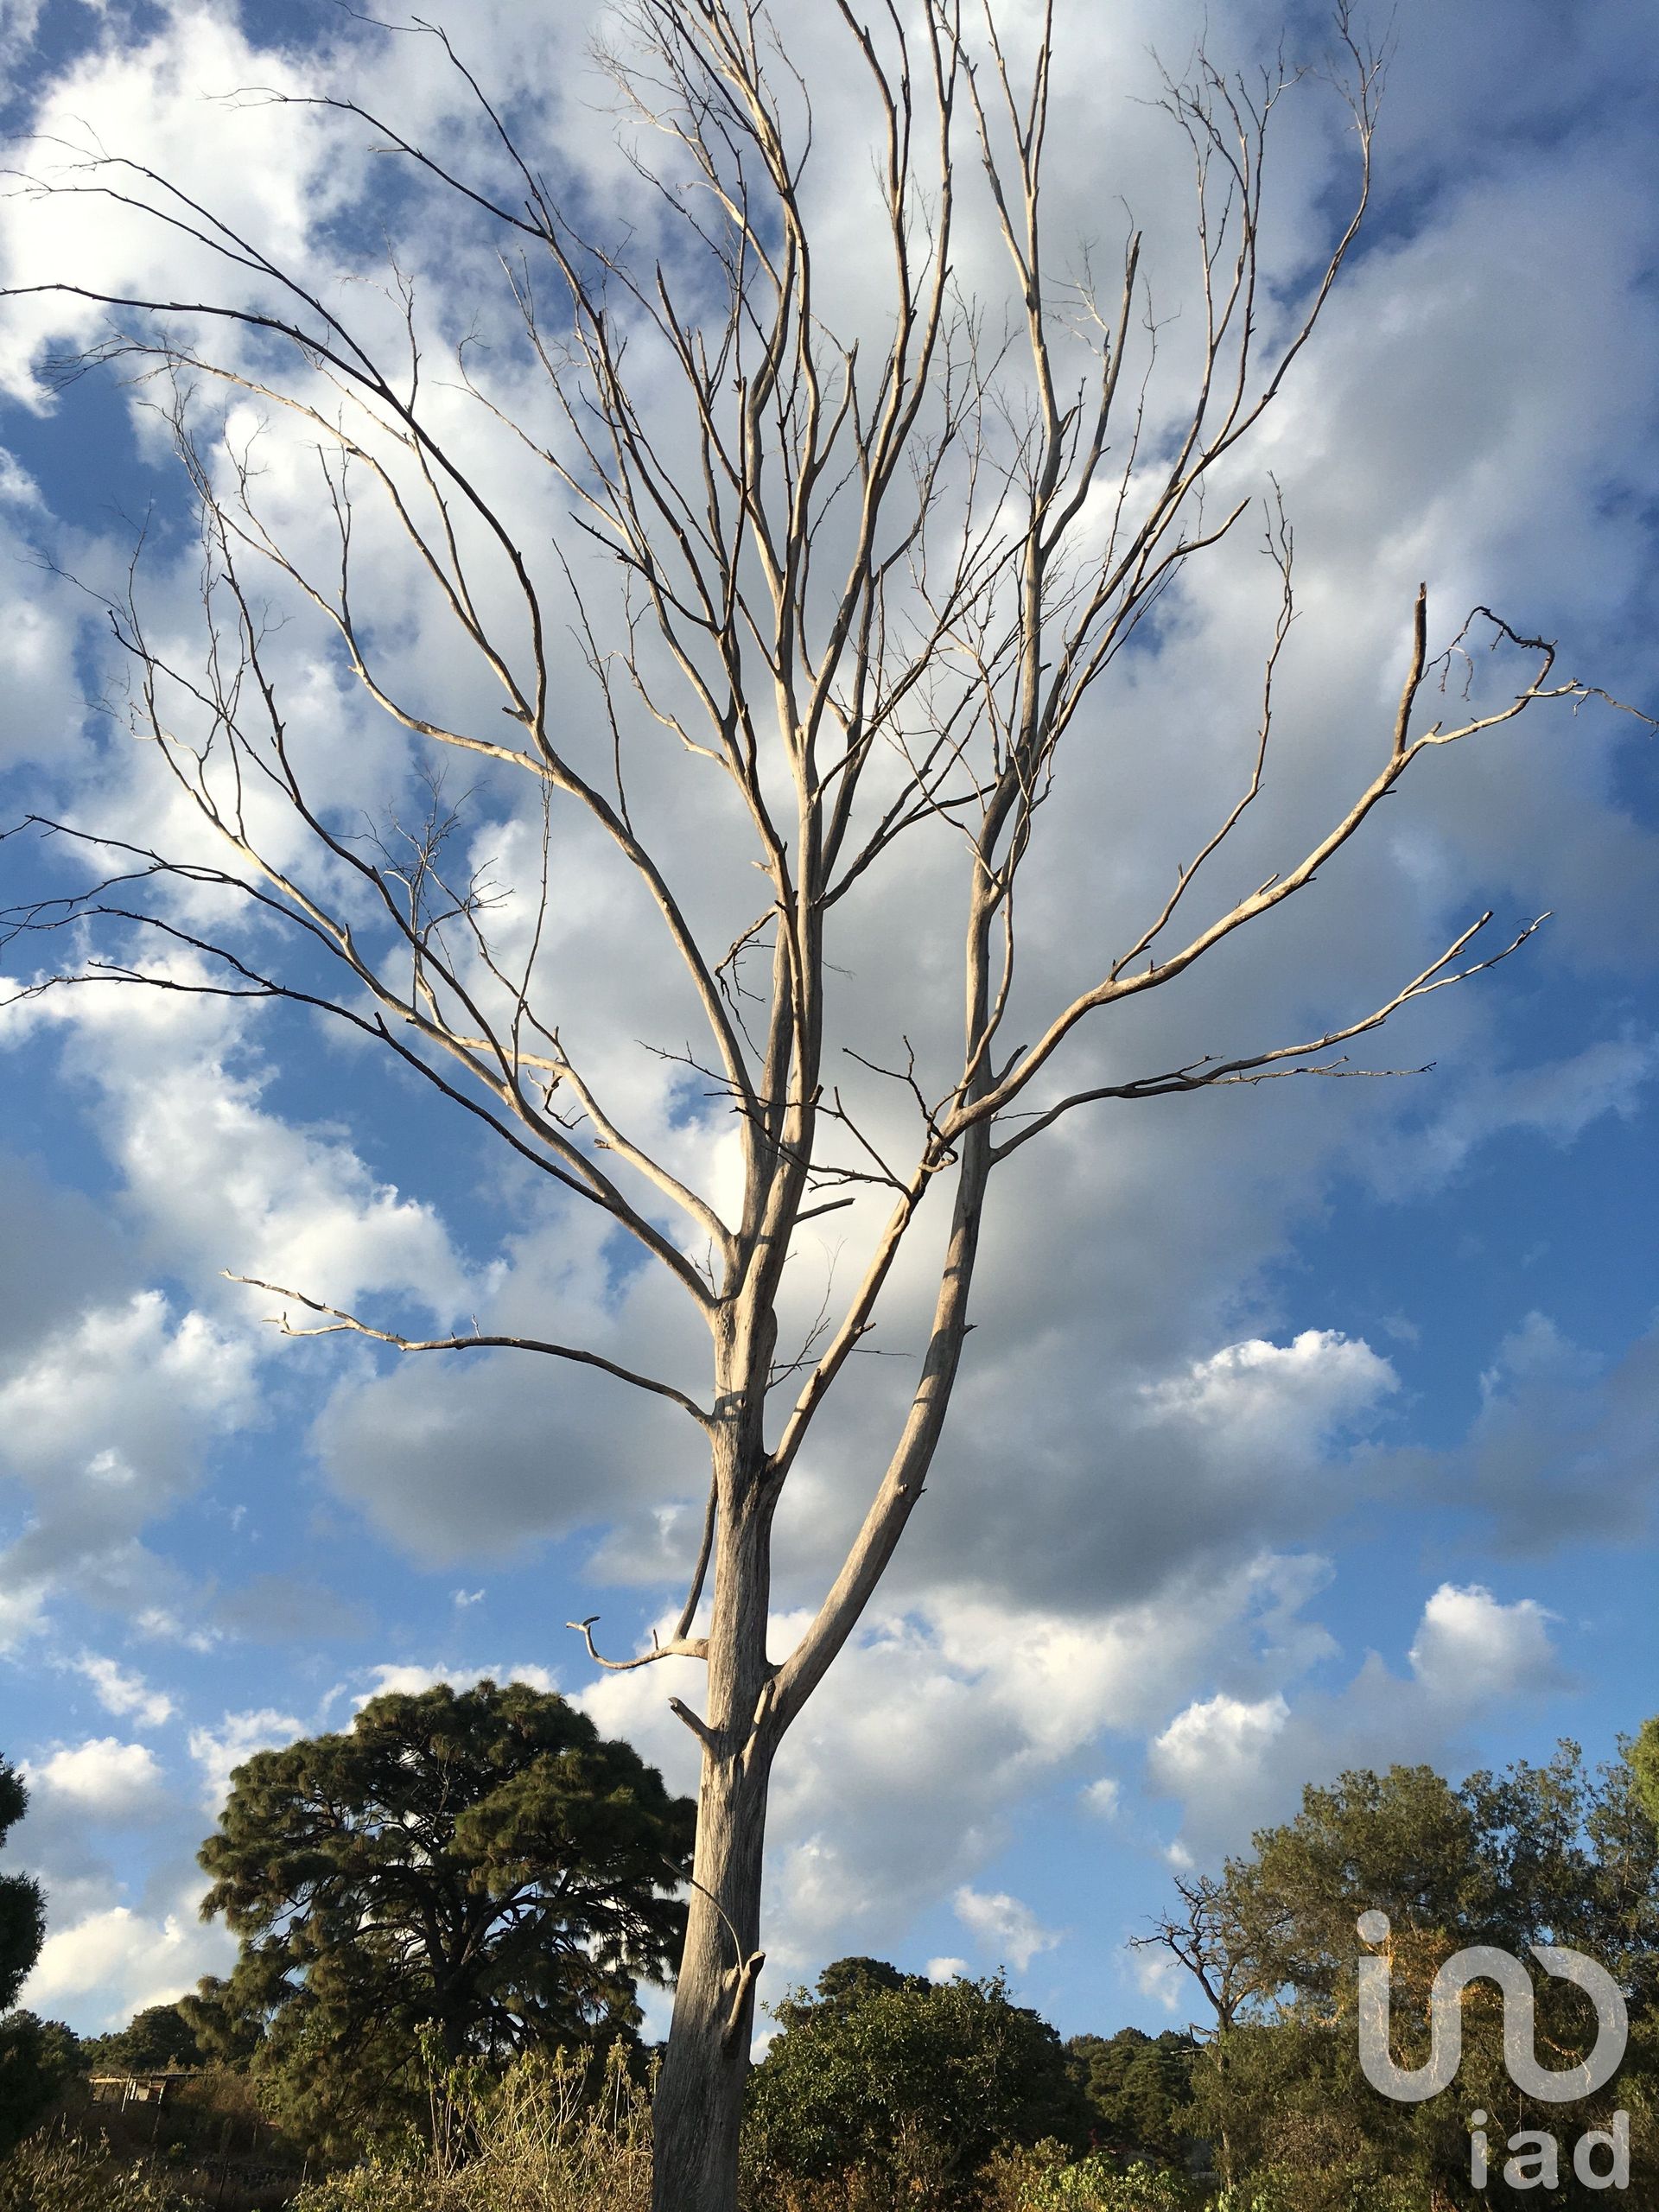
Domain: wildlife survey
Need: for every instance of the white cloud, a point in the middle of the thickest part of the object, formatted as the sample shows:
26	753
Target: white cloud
1003	1925
1164	1979
1132	1481
939	1970
122	1692
1286	1398
165	1626
102	1778
1471	1647
896	1784
119	1392
104	1424
113	1963
181	1079
23	1610
1235	1763
1217	1745
394	1445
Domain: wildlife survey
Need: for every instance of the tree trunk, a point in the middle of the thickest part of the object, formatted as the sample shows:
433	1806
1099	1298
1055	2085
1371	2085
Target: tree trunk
699	2107
698	2110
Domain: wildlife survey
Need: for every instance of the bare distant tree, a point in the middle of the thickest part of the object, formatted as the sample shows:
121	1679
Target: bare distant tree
873	593
1205	1936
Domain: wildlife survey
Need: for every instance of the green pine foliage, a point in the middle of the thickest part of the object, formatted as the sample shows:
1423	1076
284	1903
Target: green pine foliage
157	2040
480	1865
1139	2092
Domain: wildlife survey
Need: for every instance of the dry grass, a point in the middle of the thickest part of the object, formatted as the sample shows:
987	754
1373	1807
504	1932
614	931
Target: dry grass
537	2141
58	2172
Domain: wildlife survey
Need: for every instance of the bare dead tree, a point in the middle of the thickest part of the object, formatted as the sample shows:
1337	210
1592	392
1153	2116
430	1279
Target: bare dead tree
1208	1939
875	593
1205	1939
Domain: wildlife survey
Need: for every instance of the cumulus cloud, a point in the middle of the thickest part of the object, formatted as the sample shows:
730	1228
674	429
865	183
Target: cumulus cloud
897	1784
1235	1763
1217	1745
84	1398
102	1778
106	1417
1164	1979
1126	1481
111	1964
407	1679
181	1080
1471	1647
22	1609
103	1425
1102	1798
403	1448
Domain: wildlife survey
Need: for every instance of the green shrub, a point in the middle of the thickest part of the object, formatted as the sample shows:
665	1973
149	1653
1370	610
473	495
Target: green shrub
886	2081
1043	2180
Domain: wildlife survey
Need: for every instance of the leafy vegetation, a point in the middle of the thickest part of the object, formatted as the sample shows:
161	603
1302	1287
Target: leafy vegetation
23	1914
1540	1855
1138	2089
1041	2181
887	2074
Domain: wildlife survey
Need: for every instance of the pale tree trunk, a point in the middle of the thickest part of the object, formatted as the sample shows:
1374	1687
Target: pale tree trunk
698	2112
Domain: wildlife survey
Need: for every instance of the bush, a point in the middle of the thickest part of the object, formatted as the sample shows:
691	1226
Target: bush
885	2082
1043	2180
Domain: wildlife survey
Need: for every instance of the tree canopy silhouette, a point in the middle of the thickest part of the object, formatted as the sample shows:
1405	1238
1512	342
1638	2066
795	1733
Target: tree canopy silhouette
479	1866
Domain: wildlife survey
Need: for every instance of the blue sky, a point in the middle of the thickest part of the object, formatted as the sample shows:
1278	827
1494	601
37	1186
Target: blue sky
1306	1425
